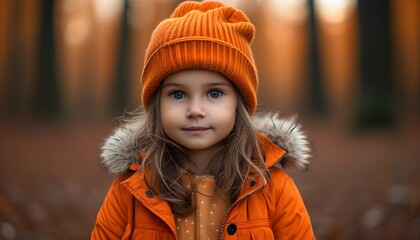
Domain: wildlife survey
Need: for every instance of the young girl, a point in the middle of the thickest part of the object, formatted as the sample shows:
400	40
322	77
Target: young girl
194	164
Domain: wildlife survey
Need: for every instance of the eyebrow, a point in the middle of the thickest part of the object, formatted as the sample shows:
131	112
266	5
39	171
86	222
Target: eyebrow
171	84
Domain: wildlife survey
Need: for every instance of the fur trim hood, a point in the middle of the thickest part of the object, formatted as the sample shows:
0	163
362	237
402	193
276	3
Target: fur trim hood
119	150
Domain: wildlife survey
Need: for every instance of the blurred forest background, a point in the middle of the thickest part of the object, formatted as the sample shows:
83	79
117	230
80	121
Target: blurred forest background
349	68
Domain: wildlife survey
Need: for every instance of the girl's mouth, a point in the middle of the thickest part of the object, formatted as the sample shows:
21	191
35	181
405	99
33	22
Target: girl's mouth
196	129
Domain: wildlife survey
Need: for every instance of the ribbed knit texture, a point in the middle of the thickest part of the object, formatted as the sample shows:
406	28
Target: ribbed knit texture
206	35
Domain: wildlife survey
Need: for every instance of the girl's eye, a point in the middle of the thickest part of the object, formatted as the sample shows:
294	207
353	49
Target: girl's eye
214	93
178	95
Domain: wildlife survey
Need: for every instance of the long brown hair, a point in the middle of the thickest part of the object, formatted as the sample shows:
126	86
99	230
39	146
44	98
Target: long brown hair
236	155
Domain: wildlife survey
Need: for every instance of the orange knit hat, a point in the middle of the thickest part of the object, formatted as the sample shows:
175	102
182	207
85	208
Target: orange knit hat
206	35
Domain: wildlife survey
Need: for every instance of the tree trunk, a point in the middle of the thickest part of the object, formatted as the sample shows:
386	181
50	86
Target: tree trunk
14	76
122	74
46	97
317	103
375	106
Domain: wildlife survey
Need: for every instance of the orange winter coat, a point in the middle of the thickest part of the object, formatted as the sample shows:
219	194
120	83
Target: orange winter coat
274	210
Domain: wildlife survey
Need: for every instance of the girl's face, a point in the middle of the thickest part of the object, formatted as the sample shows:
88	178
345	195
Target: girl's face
198	108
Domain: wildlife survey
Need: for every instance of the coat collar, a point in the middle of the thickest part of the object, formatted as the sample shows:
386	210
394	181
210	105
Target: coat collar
137	186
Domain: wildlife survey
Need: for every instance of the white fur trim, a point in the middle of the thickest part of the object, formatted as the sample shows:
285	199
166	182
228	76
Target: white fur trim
288	134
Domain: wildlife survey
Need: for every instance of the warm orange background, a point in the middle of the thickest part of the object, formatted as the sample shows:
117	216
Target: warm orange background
362	185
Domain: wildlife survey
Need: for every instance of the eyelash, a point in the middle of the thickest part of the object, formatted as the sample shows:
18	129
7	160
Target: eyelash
220	93
172	94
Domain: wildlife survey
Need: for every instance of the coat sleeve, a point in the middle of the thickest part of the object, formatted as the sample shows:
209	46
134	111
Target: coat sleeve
112	218
291	219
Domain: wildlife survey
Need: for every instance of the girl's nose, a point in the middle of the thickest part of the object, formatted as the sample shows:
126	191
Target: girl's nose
196	109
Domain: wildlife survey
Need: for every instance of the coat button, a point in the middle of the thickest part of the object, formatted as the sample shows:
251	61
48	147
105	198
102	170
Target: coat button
252	183
149	193
232	229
